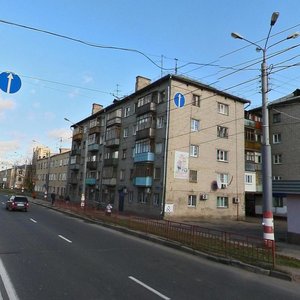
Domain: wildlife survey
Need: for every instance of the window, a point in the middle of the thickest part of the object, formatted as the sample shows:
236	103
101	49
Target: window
277	178
160	122
249	134
277	118
192	200
222	155
223	109
125	132
194	150
144	121
157	173
142	146
124	151
144	100
248	179
130	197
195	125
222	132
222	202
122	174
193	176
250	156
278	201
223	178
126	111
158	148
196	100
156	199
133	129
277	159
276	138
161	96
142	197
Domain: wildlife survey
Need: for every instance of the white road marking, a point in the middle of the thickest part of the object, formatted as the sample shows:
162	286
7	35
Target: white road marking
11	293
62	237
32	220
149	288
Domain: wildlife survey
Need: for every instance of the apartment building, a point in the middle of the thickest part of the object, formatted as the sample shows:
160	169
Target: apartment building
51	174
253	164
173	149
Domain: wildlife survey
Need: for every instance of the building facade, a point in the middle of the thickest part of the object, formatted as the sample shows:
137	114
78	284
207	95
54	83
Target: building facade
51	174
173	149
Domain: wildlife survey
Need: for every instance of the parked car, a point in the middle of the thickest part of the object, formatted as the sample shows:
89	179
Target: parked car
17	202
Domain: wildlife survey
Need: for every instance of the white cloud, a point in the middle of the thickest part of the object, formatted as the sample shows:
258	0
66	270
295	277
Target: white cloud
60	133
6	105
88	79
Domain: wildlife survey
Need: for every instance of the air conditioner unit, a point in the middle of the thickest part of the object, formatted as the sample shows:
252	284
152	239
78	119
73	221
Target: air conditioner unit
235	200
203	197
223	186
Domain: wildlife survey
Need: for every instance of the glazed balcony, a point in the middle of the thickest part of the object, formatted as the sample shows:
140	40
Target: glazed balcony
109	181
93	147
90	181
144	157
143	181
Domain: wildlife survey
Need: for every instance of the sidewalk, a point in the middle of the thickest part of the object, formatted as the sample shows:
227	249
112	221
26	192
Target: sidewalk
250	227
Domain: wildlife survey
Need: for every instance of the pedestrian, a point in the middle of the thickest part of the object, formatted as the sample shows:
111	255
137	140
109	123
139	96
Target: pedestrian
108	209
67	199
52	198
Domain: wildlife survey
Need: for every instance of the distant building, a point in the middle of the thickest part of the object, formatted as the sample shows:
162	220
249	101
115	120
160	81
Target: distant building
173	149
51	174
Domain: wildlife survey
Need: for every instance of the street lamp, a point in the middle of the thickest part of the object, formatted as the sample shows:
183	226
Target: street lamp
84	171
268	223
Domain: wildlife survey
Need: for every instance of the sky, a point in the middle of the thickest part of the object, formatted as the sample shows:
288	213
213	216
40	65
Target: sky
83	52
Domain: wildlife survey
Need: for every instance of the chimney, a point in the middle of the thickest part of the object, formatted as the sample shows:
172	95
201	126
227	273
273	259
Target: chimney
141	82
96	108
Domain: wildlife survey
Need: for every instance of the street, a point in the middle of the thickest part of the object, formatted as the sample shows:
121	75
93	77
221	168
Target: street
49	255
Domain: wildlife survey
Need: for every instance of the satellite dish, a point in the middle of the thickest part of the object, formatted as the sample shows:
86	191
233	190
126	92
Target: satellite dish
214	185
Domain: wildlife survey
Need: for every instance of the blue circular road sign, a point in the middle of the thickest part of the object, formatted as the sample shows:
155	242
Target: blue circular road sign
9	82
179	100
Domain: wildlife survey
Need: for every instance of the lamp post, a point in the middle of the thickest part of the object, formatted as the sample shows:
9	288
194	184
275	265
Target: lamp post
268	223
84	171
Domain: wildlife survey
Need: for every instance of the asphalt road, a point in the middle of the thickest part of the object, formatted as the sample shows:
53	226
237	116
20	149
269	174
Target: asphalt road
45	254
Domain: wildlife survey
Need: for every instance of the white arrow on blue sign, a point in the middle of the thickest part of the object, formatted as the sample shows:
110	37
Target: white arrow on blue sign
9	82
179	100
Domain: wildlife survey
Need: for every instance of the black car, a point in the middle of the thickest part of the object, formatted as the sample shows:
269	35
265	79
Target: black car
17	202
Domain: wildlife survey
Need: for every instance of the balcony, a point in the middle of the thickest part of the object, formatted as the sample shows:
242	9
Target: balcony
112	142
114	121
144	157
143	181
92	165
94	147
252	167
74	167
75	152
111	162
149	107
145	133
109	181
253	145
77	136
73	180
90	181
95	129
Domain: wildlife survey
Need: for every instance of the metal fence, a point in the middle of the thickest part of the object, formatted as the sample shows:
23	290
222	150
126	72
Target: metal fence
229	245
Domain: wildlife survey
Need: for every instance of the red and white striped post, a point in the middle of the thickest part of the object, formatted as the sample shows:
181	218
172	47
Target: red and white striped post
268	227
